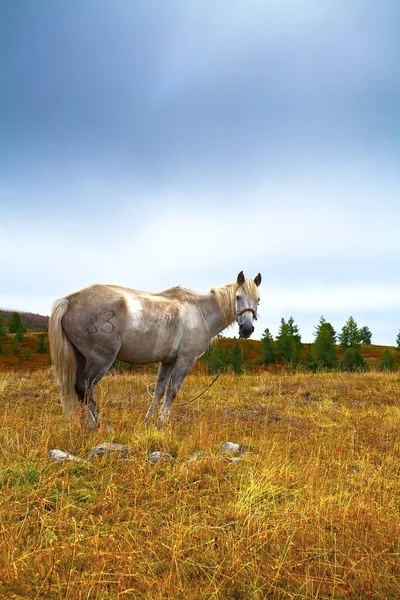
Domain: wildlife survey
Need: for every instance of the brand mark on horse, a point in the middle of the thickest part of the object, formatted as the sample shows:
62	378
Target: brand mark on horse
106	326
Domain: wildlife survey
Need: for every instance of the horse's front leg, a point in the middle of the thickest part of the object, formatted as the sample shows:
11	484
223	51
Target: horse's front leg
180	369
164	374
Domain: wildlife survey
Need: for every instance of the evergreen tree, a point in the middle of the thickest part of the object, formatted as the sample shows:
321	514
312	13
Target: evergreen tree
323	321
267	348
296	340
15	348
20	334
398	341
350	336
353	361
311	363
324	348
41	347
284	343
388	362
3	333
288	342
365	335
215	357
15	323
236	360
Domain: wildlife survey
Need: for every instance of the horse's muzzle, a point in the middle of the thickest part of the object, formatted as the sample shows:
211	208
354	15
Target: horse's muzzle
246	330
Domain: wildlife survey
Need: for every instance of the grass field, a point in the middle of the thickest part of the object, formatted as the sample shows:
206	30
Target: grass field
311	512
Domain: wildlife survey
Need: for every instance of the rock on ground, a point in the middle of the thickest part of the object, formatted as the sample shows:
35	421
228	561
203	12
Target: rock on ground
159	456
234	449
61	456
107	448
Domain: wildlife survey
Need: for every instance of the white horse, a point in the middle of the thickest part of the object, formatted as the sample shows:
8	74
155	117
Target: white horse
91	328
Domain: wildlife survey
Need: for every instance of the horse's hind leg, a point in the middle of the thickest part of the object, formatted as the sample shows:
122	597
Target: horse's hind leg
90	369
164	374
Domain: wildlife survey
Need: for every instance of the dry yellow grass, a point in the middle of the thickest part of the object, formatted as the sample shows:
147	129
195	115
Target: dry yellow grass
312	512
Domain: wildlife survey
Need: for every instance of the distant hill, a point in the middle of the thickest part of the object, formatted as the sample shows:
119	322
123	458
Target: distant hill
31	321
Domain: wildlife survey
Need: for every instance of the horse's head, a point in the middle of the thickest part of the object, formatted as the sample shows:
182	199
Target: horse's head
247	299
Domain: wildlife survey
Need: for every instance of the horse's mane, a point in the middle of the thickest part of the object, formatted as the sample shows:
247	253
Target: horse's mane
226	296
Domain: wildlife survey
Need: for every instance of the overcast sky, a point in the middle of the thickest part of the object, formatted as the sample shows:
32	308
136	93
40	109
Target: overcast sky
151	144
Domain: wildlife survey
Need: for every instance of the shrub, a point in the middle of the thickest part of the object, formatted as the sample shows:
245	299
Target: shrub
388	362
353	361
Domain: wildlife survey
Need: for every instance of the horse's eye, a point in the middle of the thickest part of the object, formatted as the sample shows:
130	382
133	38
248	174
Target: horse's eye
237	297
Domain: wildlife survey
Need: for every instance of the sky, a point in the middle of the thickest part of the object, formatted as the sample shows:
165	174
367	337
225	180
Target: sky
152	144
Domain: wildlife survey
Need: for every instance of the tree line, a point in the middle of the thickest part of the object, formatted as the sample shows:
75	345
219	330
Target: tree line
323	354
286	348
15	326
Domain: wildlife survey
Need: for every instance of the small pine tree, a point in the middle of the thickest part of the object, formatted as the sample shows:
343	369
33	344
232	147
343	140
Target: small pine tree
15	323
350	336
27	354
296	341
284	343
41	347
388	362
323	321
324	348
236	360
365	335
215	357
20	334
3	333
15	348
288	342
267	348
398	341
353	361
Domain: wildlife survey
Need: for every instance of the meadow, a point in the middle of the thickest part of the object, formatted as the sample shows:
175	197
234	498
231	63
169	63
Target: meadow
311	510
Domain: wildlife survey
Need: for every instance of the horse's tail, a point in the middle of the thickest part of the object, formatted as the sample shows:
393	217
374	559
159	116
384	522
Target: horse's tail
63	356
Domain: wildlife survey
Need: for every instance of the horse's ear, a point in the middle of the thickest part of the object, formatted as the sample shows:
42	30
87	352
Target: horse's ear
240	278
257	279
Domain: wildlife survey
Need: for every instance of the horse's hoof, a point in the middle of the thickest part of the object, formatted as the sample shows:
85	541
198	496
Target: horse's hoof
162	422
92	421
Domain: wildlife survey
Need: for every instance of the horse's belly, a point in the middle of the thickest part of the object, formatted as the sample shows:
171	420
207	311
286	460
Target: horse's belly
142	349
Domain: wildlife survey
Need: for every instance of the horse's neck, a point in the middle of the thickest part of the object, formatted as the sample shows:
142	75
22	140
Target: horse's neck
212	314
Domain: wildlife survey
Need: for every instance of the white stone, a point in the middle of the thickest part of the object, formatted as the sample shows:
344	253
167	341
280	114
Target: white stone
61	456
231	448
159	456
